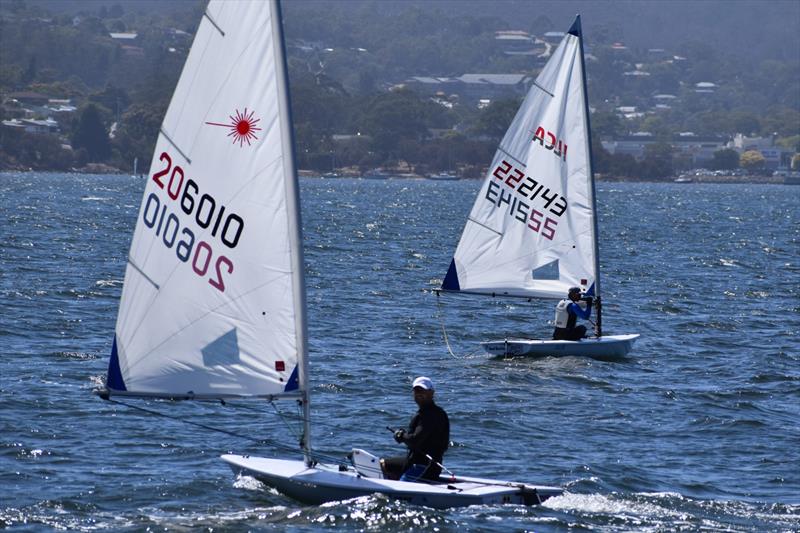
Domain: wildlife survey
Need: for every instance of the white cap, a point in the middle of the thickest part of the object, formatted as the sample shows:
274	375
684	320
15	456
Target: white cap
423	382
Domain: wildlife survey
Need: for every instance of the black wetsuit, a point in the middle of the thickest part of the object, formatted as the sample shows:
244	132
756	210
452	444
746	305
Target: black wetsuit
428	433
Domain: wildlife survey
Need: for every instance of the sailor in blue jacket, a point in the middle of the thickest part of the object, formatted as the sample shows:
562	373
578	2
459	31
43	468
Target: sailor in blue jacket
567	313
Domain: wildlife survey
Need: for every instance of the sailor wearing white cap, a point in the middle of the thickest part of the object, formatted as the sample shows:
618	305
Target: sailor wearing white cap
427	438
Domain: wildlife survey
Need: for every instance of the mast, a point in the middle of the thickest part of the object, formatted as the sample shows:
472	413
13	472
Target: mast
577	32
293	207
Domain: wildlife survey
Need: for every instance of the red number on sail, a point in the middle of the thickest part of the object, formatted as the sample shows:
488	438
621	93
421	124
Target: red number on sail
157	176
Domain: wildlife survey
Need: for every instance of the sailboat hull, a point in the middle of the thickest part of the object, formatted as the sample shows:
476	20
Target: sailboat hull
606	346
323	483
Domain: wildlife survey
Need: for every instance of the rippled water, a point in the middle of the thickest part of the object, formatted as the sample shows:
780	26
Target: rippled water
699	429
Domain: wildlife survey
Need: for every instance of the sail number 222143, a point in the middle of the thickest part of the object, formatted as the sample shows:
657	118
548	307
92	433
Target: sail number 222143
523	210
205	213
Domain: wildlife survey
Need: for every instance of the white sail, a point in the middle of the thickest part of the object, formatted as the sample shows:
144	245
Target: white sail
213	303
531	231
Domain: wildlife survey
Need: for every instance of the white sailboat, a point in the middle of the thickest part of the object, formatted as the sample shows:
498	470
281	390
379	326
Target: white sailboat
213	305
532	231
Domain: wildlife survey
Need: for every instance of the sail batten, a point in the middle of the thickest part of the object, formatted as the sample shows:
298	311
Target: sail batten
545	90
175	146
211	20
512	157
537	199
213	304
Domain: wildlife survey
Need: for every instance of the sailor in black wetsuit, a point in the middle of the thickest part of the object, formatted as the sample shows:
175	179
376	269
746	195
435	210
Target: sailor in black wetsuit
428	434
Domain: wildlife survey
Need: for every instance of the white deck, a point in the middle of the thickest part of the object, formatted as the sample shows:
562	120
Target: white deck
324	483
606	346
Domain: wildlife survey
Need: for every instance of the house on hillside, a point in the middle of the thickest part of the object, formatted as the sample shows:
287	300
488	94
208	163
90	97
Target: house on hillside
128	43
742	143
629	112
471	88
29	125
705	87
774	156
27	98
60	105
663	102
554	36
132	51
35	113
127	37
633	144
513	38
699	149
519	43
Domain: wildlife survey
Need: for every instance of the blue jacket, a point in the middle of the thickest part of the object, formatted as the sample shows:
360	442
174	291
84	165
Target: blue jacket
580	311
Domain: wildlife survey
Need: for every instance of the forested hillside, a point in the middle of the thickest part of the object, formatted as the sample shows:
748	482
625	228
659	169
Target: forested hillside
353	66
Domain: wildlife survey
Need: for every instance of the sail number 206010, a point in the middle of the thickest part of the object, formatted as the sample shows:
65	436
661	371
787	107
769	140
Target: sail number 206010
202	208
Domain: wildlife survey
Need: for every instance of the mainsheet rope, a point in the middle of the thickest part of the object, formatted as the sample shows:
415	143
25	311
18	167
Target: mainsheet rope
440	316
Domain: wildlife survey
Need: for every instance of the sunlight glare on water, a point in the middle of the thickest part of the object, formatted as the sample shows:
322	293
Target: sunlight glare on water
696	429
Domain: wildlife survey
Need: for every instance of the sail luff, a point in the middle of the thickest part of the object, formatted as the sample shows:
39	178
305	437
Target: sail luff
293	208
590	163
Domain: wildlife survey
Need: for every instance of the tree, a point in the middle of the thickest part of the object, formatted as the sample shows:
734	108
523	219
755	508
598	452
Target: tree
752	160
606	124
495	119
623	165
394	117
601	159
657	161
91	134
781	120
137	133
657	126
112	98
790	143
30	71
10	76
116	11
117	26
744	122
28	150
542	24
725	159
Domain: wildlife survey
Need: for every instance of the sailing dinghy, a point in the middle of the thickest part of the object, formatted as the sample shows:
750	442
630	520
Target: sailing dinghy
532	231
213	306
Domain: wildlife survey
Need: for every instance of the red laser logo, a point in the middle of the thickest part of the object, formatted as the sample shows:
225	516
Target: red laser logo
242	126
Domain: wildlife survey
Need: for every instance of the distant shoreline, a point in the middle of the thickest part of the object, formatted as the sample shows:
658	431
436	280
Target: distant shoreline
777	180
773	180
